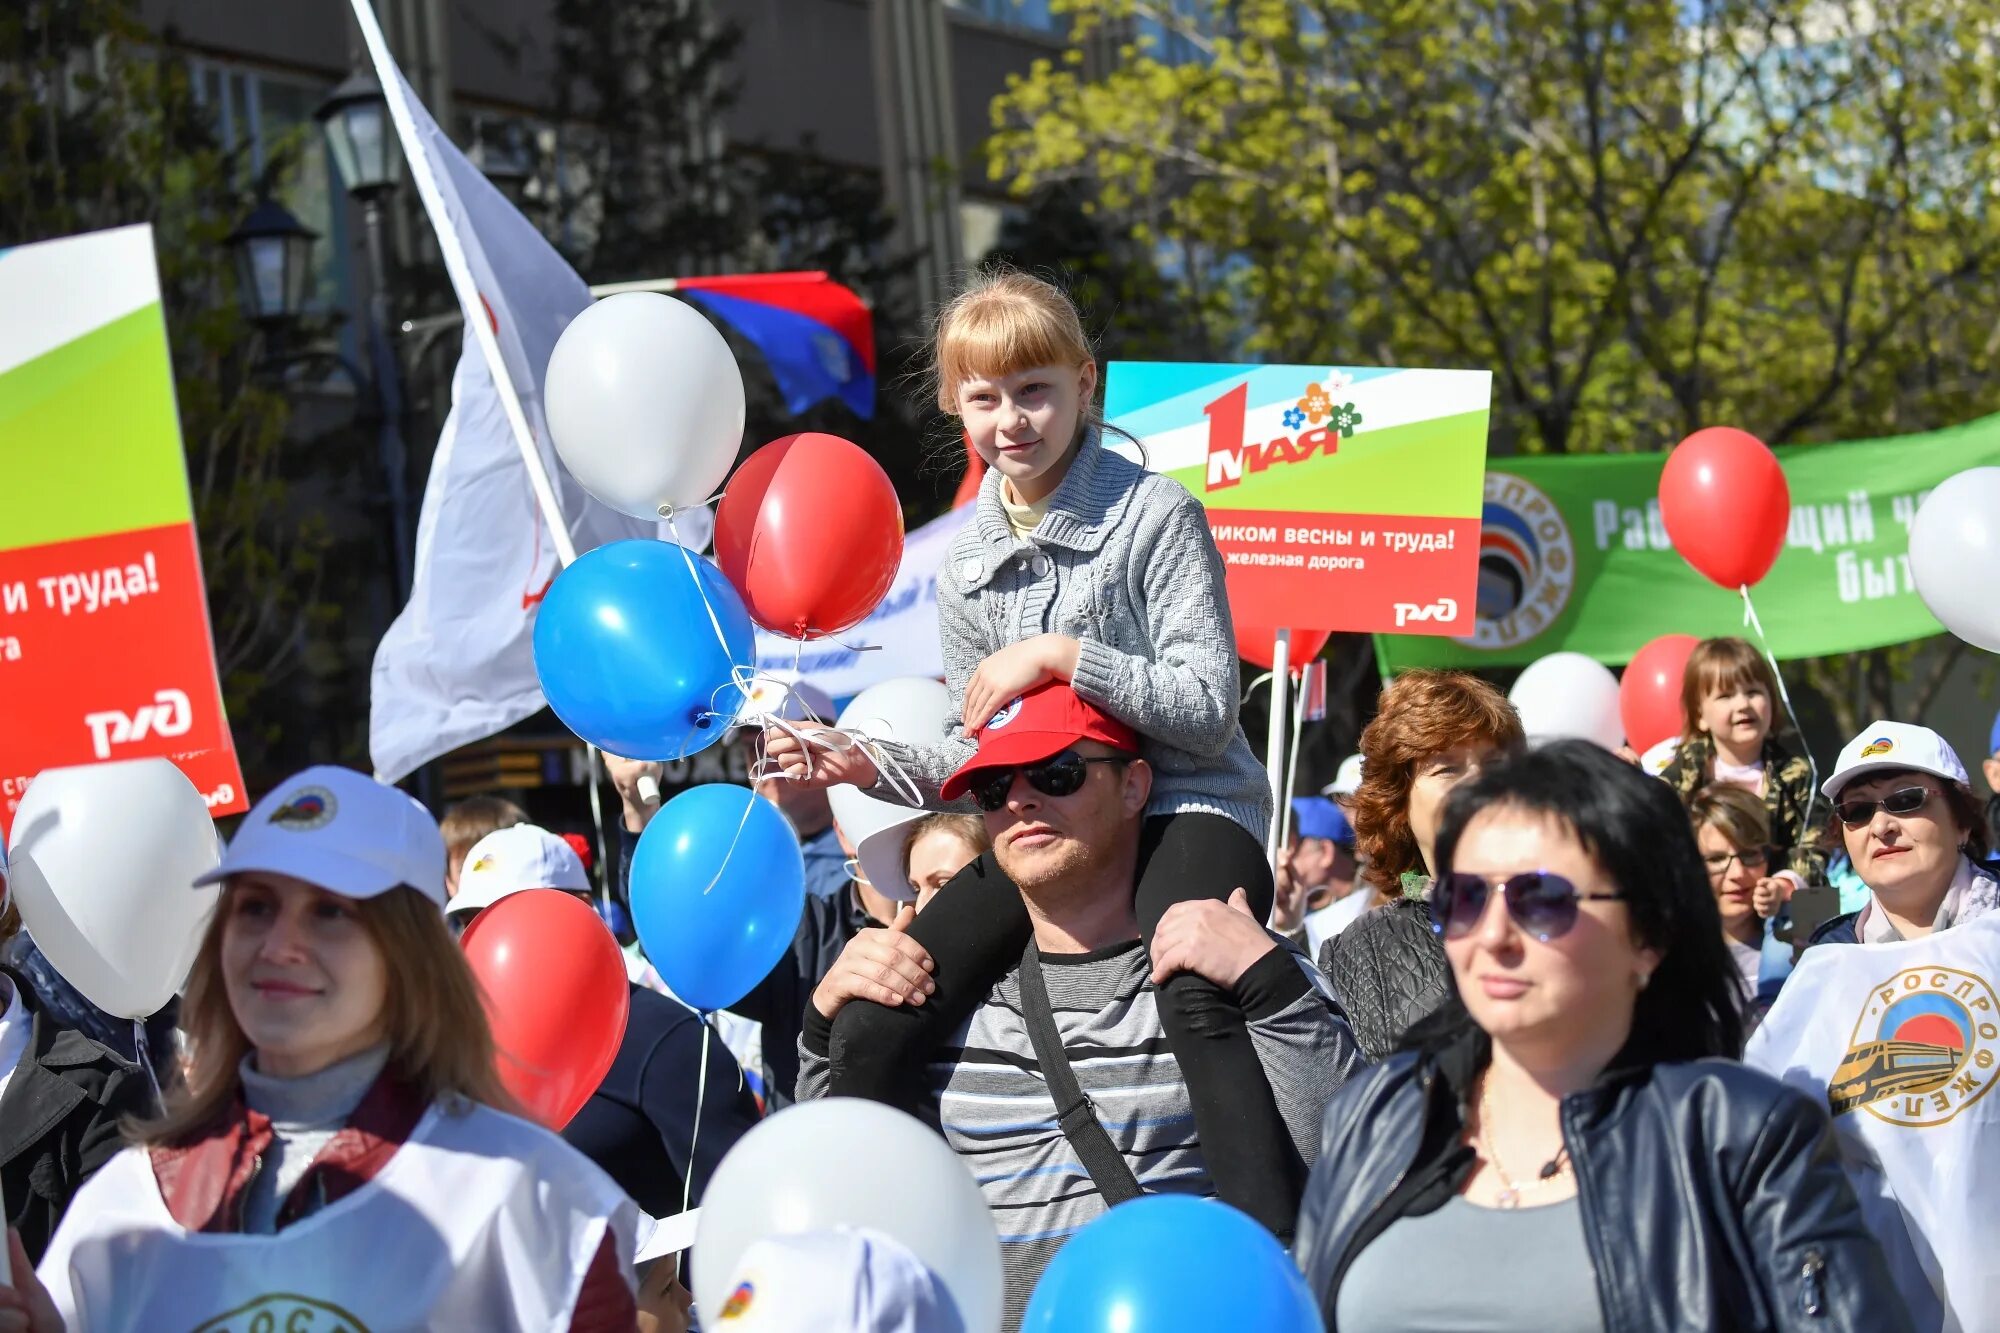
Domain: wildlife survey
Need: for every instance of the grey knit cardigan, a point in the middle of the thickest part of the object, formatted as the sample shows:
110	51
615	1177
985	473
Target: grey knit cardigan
1123	562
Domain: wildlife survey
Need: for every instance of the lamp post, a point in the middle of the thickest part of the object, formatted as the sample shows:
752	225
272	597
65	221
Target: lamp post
355	119
273	254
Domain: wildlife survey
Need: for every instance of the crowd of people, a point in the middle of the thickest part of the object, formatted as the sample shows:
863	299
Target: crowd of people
1544	1024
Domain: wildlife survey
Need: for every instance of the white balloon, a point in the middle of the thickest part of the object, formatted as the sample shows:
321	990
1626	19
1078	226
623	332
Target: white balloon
1568	695
1955	551
644	403
102	865
914	710
845	1162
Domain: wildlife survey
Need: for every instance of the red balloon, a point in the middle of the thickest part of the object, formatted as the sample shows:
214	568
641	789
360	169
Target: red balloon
556	996
811	533
1649	695
1726	505
1254	645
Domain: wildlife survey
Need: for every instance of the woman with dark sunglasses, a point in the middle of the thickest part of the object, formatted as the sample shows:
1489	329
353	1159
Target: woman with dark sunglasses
1904	811
1562	1133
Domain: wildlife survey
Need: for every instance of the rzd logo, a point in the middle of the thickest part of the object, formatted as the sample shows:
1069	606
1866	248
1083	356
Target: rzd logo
1444	609
168	715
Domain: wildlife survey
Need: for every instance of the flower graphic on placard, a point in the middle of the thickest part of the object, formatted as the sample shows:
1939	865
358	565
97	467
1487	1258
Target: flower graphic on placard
1294	418
1316	404
1336	380
1345	419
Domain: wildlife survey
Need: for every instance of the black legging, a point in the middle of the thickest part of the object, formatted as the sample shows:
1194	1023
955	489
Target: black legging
975	932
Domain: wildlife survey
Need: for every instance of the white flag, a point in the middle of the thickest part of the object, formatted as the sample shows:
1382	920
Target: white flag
1901	1041
458	664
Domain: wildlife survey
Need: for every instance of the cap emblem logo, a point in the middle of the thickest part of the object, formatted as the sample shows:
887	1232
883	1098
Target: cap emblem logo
1880	745
308	809
1004	716
482	865
739	1300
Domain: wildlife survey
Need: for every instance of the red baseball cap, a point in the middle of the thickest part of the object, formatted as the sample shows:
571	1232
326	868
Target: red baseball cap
1039	725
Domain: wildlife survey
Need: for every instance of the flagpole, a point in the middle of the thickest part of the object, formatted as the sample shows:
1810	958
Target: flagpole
453	253
1274	738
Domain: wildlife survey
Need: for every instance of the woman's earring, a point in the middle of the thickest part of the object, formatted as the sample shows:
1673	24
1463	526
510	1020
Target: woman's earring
1644	978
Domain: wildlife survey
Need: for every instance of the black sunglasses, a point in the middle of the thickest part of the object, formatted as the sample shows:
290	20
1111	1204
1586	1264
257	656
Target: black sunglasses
1902	801
1541	902
1058	775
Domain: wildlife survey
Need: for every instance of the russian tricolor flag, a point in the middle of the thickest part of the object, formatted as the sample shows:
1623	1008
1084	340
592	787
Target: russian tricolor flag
817	335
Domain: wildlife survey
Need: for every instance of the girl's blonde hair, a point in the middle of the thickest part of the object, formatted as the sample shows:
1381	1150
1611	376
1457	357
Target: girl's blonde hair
1720	666
439	1041
1002	322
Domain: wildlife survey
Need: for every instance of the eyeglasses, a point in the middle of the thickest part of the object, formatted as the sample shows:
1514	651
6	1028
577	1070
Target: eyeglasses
1750	858
1060	775
1902	801
1541	902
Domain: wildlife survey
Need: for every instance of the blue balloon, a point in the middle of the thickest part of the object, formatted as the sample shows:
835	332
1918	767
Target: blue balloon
1170	1262
718	886
628	656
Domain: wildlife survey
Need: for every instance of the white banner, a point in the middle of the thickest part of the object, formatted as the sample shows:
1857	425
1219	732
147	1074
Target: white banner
1901	1042
899	639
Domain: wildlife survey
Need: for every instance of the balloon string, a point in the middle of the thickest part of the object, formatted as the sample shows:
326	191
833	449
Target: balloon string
1251	688
700	591
143	1049
723	865
694	1135
1784	697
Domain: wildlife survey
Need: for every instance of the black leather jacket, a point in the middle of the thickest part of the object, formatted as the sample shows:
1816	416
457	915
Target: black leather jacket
1710	1192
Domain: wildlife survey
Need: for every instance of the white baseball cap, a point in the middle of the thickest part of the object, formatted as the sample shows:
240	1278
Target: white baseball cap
1346	780
1894	745
343	831
838	1281
508	860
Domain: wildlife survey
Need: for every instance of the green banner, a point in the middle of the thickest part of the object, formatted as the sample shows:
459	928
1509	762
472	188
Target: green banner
1574	555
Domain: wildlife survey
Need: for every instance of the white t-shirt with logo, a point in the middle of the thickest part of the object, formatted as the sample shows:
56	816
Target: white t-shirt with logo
479	1221
1901	1042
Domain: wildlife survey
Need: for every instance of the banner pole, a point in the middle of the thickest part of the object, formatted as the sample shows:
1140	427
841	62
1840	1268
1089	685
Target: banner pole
1274	738
1292	764
460	271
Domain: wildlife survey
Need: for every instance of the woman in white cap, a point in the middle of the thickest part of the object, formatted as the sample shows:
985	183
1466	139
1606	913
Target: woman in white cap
1905	812
339	1149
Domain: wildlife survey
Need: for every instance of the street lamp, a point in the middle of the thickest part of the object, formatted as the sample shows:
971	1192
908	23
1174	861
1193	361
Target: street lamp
273	254
355	117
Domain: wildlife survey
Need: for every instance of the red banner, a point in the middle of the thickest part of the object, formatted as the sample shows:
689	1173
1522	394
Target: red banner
107	653
1382	572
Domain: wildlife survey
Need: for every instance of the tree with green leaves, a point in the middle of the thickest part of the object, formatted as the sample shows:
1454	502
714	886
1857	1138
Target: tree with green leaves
1643	219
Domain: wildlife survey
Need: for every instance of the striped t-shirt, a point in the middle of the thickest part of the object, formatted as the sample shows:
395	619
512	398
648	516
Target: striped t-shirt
990	1100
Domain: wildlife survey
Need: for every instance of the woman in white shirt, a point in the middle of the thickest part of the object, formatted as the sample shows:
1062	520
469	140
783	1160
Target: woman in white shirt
340	1146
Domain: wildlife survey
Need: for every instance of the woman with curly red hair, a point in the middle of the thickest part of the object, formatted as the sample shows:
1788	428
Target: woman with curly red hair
1432	731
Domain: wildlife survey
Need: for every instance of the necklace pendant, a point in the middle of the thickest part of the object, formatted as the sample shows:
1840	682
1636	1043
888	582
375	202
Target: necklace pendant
1507	1198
